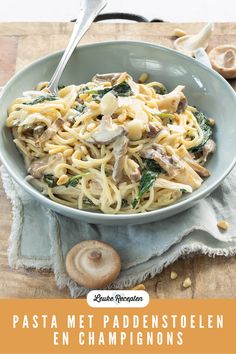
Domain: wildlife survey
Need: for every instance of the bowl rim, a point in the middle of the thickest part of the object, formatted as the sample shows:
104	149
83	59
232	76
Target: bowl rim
97	215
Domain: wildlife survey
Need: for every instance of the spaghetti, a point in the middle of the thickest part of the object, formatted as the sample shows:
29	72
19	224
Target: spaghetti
111	144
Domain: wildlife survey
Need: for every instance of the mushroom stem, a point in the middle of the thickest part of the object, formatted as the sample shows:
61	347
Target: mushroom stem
229	58
201	39
189	43
95	255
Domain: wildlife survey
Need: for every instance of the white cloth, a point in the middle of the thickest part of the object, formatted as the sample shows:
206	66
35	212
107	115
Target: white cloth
40	238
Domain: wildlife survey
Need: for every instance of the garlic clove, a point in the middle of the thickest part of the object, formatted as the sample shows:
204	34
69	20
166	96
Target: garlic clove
108	104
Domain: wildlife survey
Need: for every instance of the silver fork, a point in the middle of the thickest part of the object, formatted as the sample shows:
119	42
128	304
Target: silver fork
89	9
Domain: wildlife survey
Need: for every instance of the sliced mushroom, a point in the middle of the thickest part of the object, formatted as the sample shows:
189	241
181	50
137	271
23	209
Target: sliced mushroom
173	102
133	170
28	130
110	77
188	44
223	60
135	176
31	131
93	264
34	93
209	148
164	183
108	131
95	187
33	118
51	131
120	147
46	165
183	104
38	130
38	167
185	155
171	164
153	130
189	176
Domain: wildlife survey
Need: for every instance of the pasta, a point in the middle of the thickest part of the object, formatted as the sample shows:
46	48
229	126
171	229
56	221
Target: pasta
112	144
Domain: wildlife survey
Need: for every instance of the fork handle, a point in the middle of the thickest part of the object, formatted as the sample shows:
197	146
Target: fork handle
89	9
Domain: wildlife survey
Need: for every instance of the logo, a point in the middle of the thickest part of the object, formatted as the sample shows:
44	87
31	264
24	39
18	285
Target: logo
118	298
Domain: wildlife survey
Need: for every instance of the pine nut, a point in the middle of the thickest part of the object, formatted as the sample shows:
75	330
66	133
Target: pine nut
173	275
62	180
222	224
122	117
139	287
187	283
179	32
143	78
211	122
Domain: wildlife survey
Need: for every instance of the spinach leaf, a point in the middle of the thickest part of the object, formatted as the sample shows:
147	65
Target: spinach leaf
50	179
81	108
99	93
149	175
84	89
123	89
153	166
183	191
60	87
146	182
166	115
206	129
41	99
166	118
73	181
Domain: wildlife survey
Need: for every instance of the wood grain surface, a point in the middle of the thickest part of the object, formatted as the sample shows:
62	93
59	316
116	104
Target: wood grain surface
20	44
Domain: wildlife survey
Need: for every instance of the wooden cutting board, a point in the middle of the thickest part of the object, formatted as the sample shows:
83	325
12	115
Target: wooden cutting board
22	43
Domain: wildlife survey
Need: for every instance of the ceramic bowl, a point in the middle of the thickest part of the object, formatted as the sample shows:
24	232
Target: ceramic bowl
204	88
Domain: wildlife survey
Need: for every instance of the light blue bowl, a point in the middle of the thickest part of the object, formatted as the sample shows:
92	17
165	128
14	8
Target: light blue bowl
204	88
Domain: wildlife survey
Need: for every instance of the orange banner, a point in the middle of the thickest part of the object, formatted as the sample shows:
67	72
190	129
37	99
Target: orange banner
163	326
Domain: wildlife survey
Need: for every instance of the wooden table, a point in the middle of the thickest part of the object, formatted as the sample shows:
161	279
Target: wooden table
20	44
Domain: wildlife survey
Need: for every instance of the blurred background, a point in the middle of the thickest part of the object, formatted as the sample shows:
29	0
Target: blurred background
166	10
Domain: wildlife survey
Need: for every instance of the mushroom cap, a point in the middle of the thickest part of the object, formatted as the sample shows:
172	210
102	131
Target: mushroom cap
189	43
223	60
109	77
108	131
93	264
